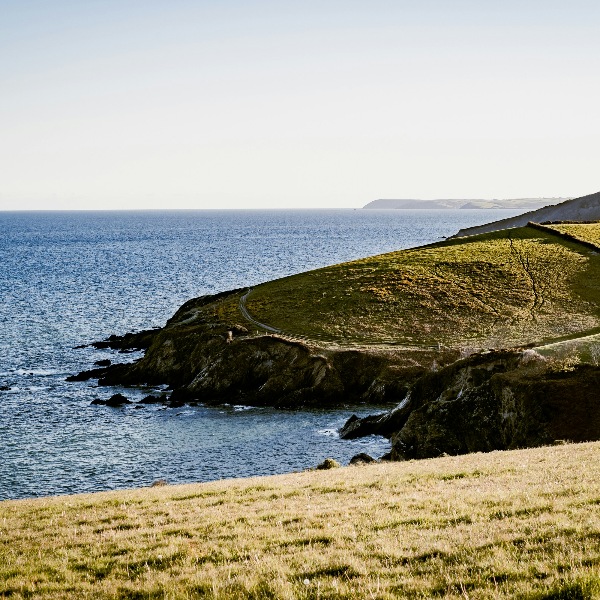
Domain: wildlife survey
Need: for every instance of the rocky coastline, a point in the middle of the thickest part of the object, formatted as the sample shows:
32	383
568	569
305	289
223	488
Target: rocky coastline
203	359
499	400
442	403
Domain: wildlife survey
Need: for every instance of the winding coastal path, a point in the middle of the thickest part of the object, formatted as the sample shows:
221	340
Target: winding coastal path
298	337
249	317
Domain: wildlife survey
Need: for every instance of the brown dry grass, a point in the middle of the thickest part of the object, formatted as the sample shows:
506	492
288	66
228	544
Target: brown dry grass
520	524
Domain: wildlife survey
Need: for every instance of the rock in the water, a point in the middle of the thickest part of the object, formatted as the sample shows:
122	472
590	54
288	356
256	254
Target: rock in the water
328	463
114	401
117	400
5	388
382	424
159	483
129	341
154	399
103	363
347	430
176	404
85	375
362	459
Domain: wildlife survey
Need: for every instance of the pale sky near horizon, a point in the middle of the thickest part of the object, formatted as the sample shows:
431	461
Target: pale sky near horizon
258	104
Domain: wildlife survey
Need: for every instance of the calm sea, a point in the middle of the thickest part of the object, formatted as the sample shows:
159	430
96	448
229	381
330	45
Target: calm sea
69	278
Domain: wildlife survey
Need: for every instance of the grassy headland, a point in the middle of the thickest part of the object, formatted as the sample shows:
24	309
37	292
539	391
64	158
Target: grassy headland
373	326
513	287
519	524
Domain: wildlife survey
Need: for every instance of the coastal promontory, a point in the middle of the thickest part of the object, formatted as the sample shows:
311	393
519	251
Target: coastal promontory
476	341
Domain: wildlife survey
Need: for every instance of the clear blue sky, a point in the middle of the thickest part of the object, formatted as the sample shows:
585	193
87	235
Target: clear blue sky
146	104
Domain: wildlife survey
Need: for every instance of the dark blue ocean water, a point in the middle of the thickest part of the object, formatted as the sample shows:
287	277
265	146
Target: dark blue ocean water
69	278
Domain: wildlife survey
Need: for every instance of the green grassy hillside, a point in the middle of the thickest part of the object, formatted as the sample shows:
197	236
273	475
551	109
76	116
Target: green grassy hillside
501	289
521	524
588	232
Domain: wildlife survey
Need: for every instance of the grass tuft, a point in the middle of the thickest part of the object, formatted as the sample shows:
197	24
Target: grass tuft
568	591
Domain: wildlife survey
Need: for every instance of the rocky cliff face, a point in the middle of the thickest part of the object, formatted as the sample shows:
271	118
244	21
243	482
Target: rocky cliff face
489	401
203	358
494	401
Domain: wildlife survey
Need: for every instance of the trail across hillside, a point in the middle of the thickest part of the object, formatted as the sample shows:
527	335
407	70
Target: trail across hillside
249	317
525	286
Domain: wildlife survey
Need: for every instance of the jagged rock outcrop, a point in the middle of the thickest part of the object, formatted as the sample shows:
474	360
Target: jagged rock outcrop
207	359
263	370
494	401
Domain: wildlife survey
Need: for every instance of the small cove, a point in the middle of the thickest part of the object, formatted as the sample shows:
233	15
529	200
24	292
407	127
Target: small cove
69	278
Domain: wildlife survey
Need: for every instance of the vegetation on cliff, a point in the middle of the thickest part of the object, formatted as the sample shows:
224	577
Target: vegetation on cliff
502	289
366	330
519	524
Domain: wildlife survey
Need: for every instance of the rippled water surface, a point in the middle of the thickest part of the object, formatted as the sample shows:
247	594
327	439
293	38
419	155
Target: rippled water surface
69	278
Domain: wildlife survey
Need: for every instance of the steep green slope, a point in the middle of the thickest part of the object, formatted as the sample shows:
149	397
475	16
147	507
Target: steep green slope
500	289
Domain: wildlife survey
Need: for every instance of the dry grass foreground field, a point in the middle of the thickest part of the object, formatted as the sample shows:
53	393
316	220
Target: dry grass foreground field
502	289
519	524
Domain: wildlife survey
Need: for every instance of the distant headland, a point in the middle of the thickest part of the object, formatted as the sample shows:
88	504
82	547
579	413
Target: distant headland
516	203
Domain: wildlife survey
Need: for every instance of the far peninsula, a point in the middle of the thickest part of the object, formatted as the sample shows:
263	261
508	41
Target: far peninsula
453	203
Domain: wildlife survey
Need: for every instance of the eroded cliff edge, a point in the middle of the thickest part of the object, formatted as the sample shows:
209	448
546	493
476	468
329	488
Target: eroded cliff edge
496	400
391	330
204	358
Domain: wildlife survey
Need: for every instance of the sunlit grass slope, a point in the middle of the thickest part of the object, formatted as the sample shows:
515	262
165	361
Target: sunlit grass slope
500	289
588	232
520	524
